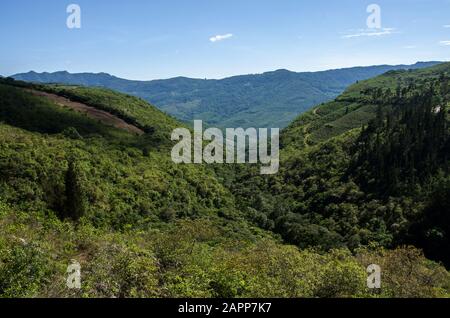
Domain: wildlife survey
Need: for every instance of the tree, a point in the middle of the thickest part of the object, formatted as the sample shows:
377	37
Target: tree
75	206
432	231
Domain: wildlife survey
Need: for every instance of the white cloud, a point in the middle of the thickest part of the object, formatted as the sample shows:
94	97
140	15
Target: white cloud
446	43
446	26
219	37
369	32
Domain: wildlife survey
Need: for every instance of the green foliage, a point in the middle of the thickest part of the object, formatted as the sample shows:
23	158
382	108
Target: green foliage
196	258
362	100
407	144
406	273
133	110
24	269
272	99
130	180
21	109
431	230
123	188
120	271
75	205
149	228
365	168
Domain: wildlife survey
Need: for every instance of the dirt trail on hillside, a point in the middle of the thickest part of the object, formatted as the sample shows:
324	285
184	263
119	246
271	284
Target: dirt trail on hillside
92	112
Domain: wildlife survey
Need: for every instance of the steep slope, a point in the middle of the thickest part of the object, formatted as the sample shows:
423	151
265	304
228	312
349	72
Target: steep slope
92	112
371	167
355	107
132	174
271	99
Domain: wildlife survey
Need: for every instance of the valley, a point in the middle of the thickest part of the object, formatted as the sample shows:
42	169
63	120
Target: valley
270	100
363	179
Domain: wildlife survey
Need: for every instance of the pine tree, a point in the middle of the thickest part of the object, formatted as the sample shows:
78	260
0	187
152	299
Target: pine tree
75	206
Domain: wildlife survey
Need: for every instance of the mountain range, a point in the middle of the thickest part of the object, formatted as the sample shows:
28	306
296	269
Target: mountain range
271	99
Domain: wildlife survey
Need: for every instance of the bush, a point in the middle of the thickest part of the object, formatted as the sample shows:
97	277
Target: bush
24	270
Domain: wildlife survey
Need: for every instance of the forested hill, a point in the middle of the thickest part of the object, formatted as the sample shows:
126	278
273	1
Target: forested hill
79	185
130	179
272	99
370	167
356	106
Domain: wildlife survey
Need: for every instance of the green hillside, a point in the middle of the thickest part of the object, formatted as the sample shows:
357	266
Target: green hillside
272	99
136	171
73	188
355	107
370	167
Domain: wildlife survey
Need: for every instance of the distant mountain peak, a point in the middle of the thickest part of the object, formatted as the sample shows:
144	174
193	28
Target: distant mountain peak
283	70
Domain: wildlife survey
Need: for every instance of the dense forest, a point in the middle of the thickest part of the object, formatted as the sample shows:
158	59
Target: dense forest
351	180
364	180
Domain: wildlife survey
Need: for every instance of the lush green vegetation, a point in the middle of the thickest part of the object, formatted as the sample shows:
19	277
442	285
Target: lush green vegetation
355	107
194	258
272	99
370	167
74	188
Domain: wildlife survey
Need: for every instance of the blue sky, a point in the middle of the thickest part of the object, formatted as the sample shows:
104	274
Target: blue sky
150	39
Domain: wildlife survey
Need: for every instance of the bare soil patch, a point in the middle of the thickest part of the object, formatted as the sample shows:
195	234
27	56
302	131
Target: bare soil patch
92	112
